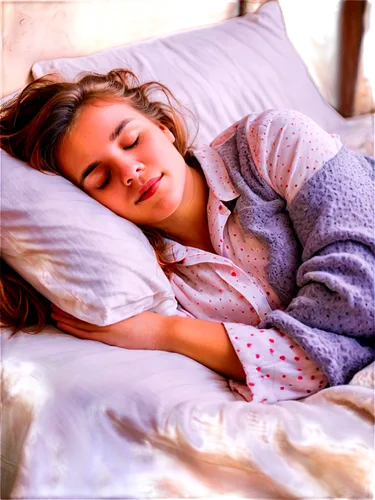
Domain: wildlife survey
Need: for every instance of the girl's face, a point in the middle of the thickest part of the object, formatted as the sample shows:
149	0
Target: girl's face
112	151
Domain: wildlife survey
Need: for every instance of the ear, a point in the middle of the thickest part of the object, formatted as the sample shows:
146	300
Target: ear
167	132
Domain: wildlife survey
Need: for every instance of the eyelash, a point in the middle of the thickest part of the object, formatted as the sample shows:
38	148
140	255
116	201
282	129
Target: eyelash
105	182
109	173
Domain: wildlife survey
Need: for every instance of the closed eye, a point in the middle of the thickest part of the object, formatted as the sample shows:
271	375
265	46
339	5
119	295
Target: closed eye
105	182
132	145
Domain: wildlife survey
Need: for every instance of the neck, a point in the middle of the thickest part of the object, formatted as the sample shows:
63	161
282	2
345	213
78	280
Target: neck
190	225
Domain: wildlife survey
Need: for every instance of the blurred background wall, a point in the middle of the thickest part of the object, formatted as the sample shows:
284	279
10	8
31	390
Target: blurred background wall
78	27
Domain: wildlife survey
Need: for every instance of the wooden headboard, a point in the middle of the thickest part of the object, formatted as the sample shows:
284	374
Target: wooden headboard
45	29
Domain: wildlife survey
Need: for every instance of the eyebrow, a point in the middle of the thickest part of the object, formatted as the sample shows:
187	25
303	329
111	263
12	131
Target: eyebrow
116	132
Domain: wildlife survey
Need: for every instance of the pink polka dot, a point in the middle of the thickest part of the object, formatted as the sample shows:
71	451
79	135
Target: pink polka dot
283	358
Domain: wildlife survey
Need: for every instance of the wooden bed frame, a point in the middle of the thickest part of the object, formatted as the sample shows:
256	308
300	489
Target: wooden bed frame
25	38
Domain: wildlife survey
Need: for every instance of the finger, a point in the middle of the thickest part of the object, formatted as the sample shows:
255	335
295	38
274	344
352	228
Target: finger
57	310
74	322
58	314
77	332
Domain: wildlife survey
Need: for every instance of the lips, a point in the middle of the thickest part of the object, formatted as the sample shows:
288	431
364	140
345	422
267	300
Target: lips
148	185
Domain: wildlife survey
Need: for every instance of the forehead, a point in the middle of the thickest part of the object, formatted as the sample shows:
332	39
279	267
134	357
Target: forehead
107	111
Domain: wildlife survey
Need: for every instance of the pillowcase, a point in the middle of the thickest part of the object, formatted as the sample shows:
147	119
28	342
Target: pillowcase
84	258
221	73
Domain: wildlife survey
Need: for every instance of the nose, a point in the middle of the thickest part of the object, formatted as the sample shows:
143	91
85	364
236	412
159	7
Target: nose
128	170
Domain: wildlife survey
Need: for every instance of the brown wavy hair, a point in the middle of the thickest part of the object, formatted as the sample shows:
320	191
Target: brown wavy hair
33	124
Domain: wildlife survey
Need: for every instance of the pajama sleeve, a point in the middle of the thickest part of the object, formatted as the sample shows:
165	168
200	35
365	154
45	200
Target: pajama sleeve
329	196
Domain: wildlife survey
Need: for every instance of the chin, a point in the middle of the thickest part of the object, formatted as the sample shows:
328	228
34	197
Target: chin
166	210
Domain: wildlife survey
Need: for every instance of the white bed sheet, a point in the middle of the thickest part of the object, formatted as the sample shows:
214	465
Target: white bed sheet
81	419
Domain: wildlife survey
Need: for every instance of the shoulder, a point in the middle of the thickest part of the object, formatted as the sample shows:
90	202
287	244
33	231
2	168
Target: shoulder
288	147
271	121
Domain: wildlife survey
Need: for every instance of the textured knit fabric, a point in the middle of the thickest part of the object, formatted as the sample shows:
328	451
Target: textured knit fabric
279	192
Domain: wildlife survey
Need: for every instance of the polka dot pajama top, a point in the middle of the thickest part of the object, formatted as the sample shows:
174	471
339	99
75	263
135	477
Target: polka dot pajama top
231	286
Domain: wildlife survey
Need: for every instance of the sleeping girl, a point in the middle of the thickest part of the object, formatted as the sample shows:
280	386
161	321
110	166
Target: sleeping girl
266	235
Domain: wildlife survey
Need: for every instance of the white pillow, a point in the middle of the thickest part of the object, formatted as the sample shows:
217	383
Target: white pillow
8	97
77	253
221	73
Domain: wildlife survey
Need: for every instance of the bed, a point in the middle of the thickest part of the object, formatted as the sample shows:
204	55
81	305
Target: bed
84	420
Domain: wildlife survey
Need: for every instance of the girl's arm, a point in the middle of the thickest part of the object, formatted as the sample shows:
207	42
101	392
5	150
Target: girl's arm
205	341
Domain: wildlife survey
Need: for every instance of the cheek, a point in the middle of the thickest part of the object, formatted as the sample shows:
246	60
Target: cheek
163	148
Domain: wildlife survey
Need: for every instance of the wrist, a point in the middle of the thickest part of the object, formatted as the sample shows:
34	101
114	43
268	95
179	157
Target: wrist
168	333
204	341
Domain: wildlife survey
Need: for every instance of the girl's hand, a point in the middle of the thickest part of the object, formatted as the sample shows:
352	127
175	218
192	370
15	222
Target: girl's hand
147	330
